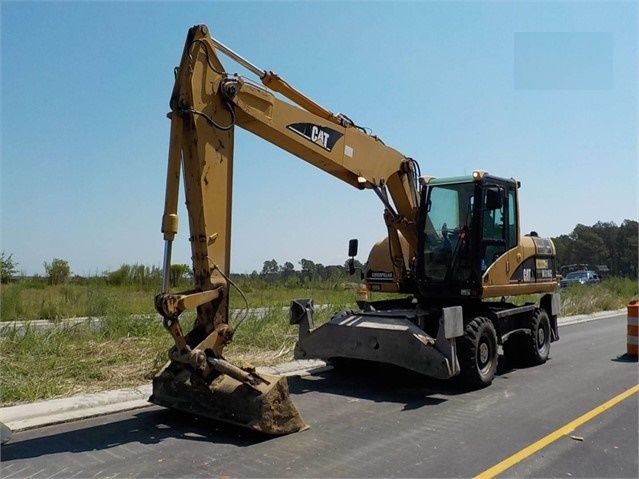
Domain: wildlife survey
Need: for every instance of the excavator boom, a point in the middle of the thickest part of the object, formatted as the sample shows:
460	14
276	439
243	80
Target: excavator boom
198	379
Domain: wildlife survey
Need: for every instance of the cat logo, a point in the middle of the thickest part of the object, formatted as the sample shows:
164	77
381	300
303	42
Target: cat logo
322	136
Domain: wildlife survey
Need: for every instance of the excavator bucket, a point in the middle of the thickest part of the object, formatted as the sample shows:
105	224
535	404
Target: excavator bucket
266	407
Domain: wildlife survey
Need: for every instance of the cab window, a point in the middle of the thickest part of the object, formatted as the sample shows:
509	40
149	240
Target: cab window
512	219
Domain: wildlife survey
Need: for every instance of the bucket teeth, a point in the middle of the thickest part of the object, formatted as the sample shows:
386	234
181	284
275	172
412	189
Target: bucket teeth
269	410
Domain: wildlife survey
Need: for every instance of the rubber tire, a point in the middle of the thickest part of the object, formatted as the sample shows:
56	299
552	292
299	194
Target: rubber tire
536	347
478	353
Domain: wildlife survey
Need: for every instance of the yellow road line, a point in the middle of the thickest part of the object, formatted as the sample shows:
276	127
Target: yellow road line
553	436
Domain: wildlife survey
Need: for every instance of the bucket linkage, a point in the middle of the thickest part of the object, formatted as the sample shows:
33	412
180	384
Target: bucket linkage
200	381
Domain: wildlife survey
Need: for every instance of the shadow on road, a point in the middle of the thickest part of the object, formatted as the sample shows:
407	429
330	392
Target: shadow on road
376	382
146	427
386	383
625	358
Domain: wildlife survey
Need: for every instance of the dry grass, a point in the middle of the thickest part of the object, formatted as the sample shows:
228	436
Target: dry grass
78	359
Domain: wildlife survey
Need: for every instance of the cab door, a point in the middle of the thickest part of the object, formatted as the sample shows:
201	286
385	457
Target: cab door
499	231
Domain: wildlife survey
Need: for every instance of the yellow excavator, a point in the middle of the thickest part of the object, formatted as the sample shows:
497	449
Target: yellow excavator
453	253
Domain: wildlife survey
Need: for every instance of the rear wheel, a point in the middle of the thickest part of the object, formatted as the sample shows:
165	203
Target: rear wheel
536	347
478	353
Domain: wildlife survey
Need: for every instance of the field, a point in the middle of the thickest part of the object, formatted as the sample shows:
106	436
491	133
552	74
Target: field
123	350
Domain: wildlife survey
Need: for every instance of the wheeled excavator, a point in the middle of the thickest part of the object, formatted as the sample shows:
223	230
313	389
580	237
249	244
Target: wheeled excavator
453	252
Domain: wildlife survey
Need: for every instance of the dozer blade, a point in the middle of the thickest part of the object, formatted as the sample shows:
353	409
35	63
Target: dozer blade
269	409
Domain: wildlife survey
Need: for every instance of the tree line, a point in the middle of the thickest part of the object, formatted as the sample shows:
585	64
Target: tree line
308	271
615	248
58	271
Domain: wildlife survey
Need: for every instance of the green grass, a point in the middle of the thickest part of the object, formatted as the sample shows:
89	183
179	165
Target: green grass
28	301
608	295
24	301
123	351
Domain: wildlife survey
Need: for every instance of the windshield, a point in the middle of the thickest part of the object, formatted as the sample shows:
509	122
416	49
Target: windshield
448	216
577	275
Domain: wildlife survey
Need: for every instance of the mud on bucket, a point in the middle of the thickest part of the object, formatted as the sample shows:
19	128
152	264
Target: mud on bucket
267	408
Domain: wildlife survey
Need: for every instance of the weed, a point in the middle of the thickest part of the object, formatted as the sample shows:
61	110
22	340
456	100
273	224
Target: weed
11	301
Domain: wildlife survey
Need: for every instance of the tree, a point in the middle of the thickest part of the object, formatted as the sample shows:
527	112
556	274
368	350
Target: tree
627	246
588	247
270	268
270	271
608	234
320	271
563	245
58	271
288	270
8	267
308	269
120	276
178	273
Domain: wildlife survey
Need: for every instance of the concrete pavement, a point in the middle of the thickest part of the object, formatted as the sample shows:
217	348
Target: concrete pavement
54	411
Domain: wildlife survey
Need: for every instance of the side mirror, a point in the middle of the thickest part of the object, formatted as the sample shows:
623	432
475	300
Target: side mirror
352	248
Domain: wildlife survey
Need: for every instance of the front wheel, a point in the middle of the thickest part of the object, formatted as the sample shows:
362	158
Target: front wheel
478	353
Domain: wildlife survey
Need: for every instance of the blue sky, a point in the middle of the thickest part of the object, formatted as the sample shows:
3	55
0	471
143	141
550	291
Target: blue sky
545	92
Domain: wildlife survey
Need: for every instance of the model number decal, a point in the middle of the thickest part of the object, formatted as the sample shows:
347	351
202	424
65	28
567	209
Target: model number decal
545	273
321	136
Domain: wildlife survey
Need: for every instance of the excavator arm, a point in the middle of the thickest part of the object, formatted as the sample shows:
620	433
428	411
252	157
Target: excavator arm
207	103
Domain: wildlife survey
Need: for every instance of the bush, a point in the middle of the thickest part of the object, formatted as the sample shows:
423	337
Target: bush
58	271
98	303
8	267
622	287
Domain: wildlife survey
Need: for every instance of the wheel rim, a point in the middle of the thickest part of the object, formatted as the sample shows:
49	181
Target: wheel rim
483	355
541	338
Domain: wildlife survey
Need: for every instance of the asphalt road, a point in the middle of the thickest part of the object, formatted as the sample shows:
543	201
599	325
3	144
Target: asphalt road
384	423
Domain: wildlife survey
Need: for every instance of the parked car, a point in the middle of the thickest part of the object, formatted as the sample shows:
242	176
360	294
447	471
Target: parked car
579	277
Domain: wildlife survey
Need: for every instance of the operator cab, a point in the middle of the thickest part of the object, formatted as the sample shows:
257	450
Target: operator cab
466	225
